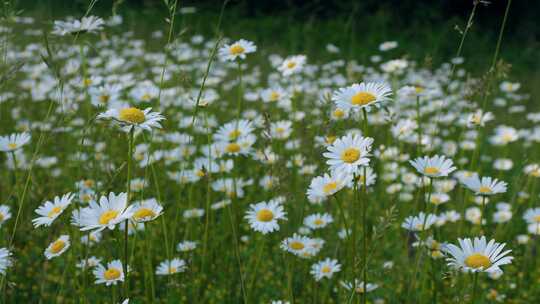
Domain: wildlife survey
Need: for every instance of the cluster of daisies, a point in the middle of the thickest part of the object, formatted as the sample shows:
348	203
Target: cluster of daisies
291	153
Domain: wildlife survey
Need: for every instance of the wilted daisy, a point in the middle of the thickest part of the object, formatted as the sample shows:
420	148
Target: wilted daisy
171	267
323	186
57	247
435	166
133	117
477	255
5	214
5	260
14	141
49	211
348	153
238	49
264	216
292	65
358	286
110	275
110	211
146	210
420	222
362	95
89	24
325	269
484	186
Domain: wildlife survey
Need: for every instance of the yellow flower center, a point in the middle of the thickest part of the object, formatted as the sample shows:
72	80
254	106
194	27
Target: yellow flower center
362	98
431	170
291	64
146	97
478	260
132	115
54	211
280	130
57	246
329	187
12	146
234	134
537	218
326	269
107	216
104	98
200	173
359	289
265	215
87	82
143	213
274	96
350	155
173	270
339	113
484	190
296	245
112	274
236	49
232	148
1	217
318	222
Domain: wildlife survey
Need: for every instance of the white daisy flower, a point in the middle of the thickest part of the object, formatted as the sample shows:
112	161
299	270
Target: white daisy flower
532	216
318	220
49	211
323	186
233	130
325	269
90	262
509	87
147	210
420	222
14	141
297	244
110	211
363	95
171	267
358	286
57	247
479	118
292	65
110	275
5	214
263	217
484	186
238	49
133	117
435	166
348	153
5	260
186	246
477	255
89	24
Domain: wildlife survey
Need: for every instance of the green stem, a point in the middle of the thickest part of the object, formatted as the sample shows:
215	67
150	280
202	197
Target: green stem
126	225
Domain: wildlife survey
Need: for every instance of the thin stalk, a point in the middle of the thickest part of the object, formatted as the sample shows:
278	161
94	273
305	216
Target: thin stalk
126	225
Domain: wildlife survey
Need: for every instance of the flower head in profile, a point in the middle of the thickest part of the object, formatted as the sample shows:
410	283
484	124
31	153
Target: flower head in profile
325	269
146	210
484	186
49	211
420	222
477	255
89	24
435	166
292	65
347	154
5	260
358	286
263	217
363	95
110	275
133	117
5	214
238	49
171	267
14	141
57	247
110	211
327	185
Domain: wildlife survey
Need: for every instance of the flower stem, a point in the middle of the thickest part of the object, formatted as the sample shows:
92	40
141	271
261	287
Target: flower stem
126	225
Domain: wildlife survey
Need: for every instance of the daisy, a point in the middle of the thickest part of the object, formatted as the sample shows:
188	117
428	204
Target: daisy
318	220
484	186
348	153
5	260
327	185
477	255
420	222
325	269
49	211
238	49
186	246
479	118
532	216
264	216
388	45
133	117
171	267
147	210
5	214
110	275
57	247
90	262
435	166
292	65
234	130
509	87
358	286
89	24
362	95
109	212
14	141
297	244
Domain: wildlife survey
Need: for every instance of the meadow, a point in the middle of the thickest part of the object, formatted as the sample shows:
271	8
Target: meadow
177	155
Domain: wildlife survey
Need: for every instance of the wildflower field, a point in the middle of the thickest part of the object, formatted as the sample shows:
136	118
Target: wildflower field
181	156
